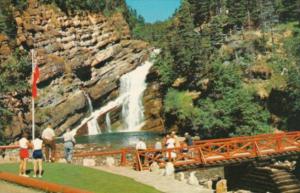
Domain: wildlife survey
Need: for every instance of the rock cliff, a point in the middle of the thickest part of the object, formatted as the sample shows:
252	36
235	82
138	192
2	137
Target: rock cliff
80	55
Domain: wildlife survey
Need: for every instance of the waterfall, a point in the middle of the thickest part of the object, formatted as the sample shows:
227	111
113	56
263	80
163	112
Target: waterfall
93	127
92	124
91	109
133	85
108	122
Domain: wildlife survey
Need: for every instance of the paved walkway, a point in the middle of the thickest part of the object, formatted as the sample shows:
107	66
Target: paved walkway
162	183
12	188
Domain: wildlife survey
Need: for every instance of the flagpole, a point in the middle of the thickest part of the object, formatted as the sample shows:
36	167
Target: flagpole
32	97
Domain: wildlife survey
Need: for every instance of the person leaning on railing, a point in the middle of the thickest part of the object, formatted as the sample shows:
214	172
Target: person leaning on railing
69	143
141	146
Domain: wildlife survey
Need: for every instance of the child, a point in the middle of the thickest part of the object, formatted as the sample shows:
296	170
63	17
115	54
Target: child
37	156
24	154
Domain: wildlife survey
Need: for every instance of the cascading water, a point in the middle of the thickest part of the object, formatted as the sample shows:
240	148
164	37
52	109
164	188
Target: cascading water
132	88
108	122
91	109
92	124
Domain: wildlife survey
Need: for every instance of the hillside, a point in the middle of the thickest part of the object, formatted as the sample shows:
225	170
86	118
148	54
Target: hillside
229	67
81	54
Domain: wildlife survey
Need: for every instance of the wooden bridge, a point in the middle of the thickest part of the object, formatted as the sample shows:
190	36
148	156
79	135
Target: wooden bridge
208	152
224	151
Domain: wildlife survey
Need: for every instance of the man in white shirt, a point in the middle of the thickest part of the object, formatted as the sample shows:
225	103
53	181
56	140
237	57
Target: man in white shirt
48	137
69	142
141	146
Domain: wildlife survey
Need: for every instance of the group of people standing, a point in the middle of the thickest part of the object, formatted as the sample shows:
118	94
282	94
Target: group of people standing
48	141
170	141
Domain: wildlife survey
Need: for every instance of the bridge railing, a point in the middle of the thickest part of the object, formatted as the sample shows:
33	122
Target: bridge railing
205	151
211	151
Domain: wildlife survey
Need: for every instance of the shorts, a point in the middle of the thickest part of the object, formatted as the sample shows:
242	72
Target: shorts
37	154
24	153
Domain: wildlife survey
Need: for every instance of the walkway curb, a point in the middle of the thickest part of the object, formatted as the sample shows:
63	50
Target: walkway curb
39	184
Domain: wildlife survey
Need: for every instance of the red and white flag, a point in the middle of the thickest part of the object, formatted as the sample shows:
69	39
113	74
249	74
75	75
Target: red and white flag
35	77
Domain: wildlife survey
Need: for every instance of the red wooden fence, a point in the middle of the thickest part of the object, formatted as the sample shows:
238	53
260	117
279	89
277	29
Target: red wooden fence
208	152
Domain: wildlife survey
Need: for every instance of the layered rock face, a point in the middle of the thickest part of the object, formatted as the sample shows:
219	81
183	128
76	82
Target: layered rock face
79	56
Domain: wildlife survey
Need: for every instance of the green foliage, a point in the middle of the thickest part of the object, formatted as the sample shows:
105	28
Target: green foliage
292	46
133	19
288	9
14	72
7	22
13	77
90	5
164	64
180	104
180	109
153	33
229	108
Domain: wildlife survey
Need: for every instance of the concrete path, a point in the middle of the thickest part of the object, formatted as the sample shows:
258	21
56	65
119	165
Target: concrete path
12	188
162	183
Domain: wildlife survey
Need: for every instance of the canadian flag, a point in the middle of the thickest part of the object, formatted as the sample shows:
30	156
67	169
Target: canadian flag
36	75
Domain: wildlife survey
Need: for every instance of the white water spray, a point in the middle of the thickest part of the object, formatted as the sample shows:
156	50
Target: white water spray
108	122
92	124
132	88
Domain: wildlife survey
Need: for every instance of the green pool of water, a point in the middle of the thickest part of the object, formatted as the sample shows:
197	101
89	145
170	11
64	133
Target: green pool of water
120	139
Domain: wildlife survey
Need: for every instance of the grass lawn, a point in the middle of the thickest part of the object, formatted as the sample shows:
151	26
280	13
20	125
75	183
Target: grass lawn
86	178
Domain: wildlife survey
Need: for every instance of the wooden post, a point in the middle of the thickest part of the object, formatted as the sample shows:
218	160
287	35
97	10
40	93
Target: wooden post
278	142
123	157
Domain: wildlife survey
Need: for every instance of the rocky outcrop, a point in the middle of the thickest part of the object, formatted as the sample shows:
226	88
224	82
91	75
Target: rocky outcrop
79	55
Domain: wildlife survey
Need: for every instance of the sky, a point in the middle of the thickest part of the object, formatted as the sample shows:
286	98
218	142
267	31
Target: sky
154	10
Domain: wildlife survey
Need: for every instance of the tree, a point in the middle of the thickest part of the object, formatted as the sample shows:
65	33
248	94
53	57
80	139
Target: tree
237	12
180	105
288	10
229	109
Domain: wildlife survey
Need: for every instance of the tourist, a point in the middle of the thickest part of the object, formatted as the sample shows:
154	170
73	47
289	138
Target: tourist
48	137
165	140
188	139
140	147
69	142
170	143
24	154
37	156
173	135
158	147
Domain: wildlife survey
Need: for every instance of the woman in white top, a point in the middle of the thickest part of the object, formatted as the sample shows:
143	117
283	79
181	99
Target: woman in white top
37	157
24	154
170	143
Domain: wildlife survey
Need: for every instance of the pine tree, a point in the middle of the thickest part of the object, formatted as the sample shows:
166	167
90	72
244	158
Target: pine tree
237	12
268	17
203	10
288	9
